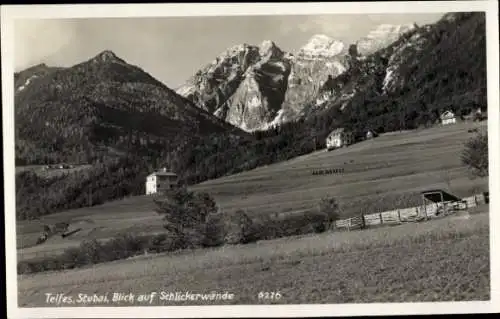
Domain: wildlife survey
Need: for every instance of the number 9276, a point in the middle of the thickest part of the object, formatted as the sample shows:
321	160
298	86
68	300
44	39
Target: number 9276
271	295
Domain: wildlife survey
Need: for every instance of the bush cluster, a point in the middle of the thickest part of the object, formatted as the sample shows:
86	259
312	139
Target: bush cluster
191	221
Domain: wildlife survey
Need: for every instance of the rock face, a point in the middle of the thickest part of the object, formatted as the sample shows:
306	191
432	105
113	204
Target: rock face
321	46
381	37
378	73
211	86
244	86
321	58
260	94
257	87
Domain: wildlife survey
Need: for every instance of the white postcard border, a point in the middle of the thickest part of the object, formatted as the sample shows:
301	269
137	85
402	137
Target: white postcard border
9	13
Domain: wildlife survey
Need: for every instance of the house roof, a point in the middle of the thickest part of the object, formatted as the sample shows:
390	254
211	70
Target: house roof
337	131
162	173
447	115
434	195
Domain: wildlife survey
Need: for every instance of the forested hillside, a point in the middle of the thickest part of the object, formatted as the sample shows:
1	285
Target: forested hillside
104	113
403	86
407	85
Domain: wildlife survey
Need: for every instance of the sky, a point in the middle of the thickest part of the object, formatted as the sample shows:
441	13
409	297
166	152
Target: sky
172	49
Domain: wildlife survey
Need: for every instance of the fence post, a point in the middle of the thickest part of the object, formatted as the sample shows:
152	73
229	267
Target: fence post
363	222
475	199
399	215
349	224
381	220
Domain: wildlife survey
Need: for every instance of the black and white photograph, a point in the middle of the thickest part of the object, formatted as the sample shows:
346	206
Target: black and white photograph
274	159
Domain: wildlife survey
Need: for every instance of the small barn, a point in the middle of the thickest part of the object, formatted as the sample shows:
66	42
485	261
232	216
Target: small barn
448	117
439	201
338	138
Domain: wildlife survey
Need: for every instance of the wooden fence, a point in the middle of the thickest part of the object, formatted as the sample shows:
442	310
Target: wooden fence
404	215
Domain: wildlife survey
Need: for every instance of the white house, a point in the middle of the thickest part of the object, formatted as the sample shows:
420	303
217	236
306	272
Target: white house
371	134
160	181
338	138
448	118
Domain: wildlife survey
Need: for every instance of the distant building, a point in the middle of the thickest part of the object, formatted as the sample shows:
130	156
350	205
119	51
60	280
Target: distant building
371	134
448	117
160	181
338	138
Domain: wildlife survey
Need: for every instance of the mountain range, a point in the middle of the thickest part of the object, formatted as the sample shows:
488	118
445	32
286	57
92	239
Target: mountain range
100	107
255	87
253	105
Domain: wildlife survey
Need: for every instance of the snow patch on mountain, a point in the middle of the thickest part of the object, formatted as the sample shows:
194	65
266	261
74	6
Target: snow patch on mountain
278	120
257	86
321	45
185	90
388	77
323	98
26	83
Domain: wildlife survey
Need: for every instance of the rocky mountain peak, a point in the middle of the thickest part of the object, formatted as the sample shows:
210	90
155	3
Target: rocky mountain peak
107	56
269	49
450	17
321	45
236	49
40	66
381	37
384	29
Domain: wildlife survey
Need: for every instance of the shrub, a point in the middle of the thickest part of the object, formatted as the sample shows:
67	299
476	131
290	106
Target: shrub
266	227
90	251
47	229
215	230
291	224
240	229
186	215
158	243
71	258
330	208
24	267
122	246
475	155
318	221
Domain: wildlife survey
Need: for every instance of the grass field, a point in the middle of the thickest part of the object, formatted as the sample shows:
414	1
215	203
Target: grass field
440	260
381	174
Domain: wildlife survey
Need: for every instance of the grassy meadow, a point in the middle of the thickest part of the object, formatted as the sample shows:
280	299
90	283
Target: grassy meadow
380	174
440	260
